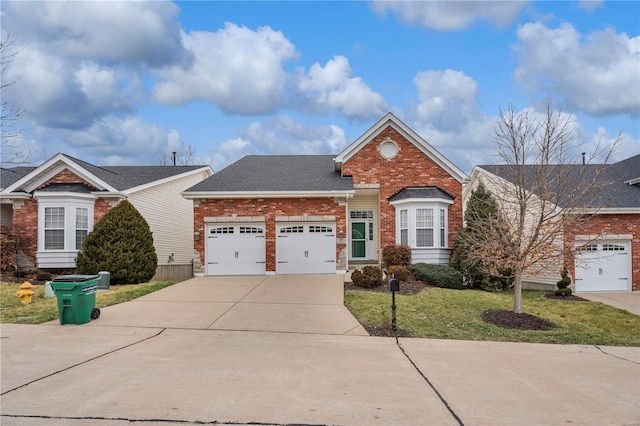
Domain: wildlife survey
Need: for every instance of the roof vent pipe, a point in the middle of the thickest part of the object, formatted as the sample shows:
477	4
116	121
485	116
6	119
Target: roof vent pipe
173	157
584	161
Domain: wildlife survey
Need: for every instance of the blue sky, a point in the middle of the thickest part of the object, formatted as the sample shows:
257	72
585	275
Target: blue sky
130	82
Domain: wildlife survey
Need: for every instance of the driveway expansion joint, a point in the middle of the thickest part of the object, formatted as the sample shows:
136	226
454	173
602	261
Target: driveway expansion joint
615	356
426	379
82	362
170	421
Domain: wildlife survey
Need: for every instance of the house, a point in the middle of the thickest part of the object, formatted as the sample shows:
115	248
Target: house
303	214
51	208
601	247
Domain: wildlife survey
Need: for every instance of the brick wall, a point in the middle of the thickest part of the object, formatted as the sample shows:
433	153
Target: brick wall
270	209
409	168
66	176
620	224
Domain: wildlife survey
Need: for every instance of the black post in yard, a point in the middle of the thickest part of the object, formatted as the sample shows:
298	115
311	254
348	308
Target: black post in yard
394	285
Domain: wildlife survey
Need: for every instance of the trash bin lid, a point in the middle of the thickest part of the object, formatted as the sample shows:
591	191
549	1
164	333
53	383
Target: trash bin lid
74	278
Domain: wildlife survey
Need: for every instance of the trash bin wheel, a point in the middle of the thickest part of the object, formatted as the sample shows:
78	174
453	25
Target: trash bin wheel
95	313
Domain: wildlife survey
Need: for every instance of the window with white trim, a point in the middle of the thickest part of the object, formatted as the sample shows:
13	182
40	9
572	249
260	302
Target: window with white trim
443	227
404	227
424	227
54	228
82	226
422	223
63	223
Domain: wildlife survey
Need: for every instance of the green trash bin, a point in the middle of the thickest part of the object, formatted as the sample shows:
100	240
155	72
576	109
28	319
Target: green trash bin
76	298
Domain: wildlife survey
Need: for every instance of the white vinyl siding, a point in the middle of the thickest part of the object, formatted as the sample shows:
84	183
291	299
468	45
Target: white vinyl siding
170	218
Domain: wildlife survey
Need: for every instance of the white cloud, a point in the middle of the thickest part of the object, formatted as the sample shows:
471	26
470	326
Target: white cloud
100	30
448	100
332	89
121	141
236	68
596	73
283	135
62	93
590	4
451	15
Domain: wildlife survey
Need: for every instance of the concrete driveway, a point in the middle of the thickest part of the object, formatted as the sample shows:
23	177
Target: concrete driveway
629	301
279	303
279	350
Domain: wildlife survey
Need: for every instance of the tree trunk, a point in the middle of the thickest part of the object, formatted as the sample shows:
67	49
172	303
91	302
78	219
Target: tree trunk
517	292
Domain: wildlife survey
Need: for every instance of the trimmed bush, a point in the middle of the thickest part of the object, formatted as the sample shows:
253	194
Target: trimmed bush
396	255
400	272
439	275
369	277
44	276
122	244
563	284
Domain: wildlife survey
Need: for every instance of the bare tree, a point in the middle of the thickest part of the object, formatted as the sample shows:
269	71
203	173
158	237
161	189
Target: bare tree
12	150
543	189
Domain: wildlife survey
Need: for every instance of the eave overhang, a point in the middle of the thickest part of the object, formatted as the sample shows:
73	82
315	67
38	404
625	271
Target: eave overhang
266	194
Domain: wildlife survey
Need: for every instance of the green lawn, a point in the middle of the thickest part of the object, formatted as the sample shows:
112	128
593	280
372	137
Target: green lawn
42	310
457	314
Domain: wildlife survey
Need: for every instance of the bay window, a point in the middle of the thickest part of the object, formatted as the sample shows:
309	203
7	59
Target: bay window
64	221
422	216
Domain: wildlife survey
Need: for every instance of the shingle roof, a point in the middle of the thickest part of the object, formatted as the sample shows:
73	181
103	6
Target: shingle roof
12	175
420	192
119	177
266	173
80	188
614	193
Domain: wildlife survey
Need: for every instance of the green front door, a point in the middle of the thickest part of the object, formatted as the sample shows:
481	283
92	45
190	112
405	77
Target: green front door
358	239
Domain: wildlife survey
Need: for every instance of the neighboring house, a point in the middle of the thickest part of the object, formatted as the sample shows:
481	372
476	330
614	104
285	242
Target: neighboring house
51	208
301	214
601	251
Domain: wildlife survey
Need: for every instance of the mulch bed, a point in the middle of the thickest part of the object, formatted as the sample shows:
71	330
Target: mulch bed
572	298
510	319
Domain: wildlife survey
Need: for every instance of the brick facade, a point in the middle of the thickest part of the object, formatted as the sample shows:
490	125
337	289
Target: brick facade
411	167
607	224
270	209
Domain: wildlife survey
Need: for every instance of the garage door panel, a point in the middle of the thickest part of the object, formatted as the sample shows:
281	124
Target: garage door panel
603	267
306	249
236	250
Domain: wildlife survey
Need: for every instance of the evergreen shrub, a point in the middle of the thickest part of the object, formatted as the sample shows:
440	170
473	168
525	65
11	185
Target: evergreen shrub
121	243
439	275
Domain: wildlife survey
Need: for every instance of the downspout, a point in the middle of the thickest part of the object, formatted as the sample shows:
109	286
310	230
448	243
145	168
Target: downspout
346	231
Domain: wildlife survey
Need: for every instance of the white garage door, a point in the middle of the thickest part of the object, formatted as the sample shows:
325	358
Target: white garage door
603	267
306	248
234	249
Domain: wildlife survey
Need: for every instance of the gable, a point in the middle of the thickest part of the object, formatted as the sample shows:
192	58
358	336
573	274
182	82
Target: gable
401	132
62	168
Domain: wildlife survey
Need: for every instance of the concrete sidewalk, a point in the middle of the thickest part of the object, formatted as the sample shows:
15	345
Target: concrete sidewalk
78	375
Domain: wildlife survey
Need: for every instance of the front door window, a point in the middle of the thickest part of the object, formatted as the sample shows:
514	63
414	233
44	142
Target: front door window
358	240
